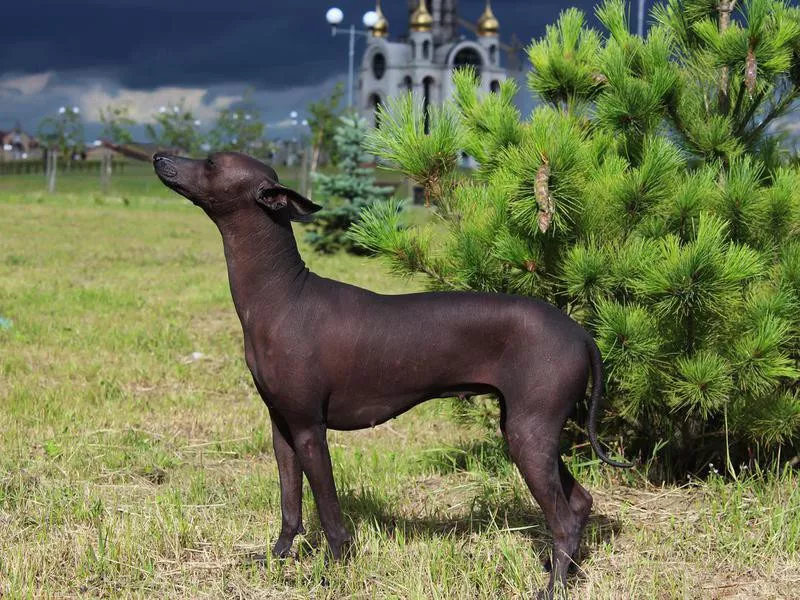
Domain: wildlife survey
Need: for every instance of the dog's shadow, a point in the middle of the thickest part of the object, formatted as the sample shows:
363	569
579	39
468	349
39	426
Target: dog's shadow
507	510
365	507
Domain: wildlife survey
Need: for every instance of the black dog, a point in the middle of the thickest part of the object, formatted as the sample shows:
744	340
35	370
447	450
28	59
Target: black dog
324	354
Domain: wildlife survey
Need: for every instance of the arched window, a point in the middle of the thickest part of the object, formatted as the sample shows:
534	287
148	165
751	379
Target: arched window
468	57
427	91
413	50
408	83
493	54
494	86
426	49
375	103
378	65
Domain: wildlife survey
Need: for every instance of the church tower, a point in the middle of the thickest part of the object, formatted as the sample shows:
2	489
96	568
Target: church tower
445	19
423	60
488	37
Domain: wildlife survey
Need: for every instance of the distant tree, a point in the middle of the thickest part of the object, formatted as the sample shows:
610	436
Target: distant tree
62	135
64	132
116	122
240	130
322	121
347	192
176	127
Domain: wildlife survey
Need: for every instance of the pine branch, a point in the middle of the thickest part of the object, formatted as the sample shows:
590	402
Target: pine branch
725	8
776	111
751	70
739	98
755	104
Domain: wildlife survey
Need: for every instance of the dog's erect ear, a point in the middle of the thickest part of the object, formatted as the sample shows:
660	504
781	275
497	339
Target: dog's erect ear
276	197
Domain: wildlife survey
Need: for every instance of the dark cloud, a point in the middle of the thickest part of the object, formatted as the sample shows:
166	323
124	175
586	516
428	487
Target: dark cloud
282	49
270	44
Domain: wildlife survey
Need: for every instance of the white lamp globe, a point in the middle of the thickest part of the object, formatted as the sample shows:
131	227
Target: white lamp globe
370	18
293	114
334	16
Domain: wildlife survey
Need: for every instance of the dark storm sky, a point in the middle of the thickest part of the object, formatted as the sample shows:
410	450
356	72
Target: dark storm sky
145	52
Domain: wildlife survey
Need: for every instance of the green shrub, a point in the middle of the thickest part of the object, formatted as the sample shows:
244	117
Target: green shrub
643	196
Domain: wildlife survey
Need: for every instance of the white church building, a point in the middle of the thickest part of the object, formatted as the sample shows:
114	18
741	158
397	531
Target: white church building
423	61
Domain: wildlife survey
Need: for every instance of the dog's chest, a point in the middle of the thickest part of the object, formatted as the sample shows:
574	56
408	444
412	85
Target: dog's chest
282	372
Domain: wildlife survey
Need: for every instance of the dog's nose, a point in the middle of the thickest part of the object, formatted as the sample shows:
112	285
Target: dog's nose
164	165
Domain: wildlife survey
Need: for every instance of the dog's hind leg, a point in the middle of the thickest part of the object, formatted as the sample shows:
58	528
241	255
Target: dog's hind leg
580	500
291	478
312	449
534	448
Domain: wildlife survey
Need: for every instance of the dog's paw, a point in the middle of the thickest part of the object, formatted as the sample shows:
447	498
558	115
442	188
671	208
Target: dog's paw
341	550
558	593
283	547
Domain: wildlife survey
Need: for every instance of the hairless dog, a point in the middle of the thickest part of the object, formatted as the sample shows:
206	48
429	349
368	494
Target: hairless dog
327	355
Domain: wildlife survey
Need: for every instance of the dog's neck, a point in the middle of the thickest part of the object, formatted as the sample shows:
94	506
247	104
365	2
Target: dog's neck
264	265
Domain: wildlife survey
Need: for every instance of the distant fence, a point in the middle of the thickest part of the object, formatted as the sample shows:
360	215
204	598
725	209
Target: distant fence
32	167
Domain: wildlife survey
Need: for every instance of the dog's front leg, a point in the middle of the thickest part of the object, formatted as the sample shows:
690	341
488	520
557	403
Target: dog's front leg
291	477
311	445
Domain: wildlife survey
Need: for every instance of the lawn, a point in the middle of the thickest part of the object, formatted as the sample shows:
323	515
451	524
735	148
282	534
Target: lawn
136	460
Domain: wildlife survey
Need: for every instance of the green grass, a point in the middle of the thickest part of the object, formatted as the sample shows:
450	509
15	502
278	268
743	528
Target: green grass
130	469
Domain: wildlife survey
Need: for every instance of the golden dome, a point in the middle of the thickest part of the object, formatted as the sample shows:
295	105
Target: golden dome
381	27
421	19
488	23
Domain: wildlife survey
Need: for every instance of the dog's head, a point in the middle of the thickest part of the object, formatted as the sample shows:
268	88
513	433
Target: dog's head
227	182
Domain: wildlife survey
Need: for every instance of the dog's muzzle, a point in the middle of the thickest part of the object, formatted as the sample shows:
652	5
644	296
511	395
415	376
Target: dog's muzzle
164	166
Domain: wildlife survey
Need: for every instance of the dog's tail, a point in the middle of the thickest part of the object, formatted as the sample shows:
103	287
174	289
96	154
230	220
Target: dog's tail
597	394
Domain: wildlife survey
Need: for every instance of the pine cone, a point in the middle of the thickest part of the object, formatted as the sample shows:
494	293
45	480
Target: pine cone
543	197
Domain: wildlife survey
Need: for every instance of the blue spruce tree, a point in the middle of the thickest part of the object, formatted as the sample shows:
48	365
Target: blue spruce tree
347	192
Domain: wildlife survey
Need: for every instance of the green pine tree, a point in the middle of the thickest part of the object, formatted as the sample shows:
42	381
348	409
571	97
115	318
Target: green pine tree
647	197
347	192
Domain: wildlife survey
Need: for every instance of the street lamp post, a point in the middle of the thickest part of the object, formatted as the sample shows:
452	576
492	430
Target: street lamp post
299	148
334	16
640	19
295	146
